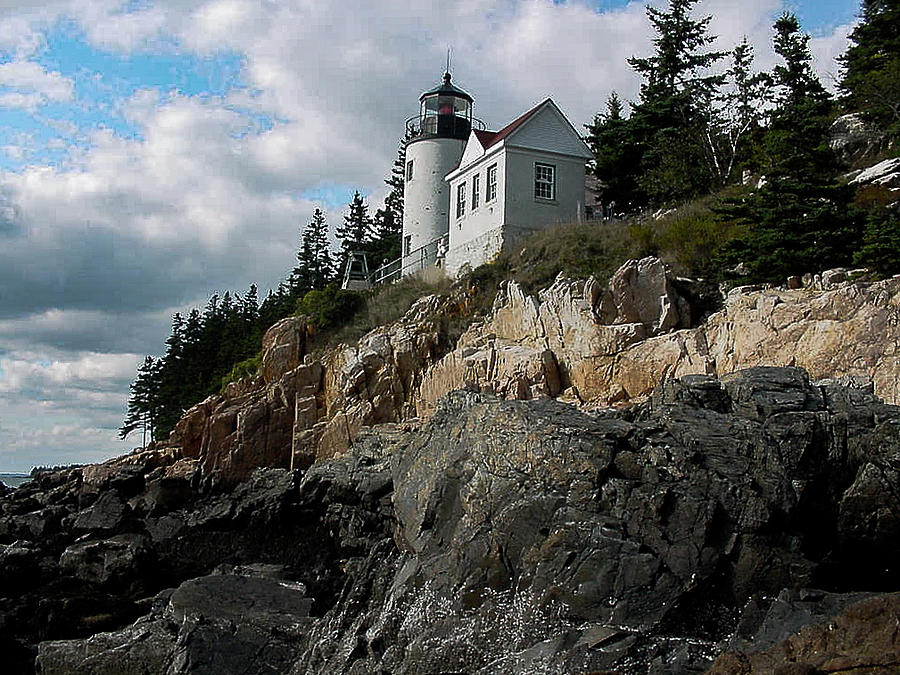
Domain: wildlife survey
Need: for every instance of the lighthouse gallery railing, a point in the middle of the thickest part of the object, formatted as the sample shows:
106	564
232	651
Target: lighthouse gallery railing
416	260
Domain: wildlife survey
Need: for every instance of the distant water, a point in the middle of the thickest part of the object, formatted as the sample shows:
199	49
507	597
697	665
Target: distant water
14	479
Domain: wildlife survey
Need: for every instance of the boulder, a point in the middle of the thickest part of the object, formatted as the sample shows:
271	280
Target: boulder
641	291
125	473
226	623
852	138
534	537
119	559
565	338
283	347
515	536
885	173
106	514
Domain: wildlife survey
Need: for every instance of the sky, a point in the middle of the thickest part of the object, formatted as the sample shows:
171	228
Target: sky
153	152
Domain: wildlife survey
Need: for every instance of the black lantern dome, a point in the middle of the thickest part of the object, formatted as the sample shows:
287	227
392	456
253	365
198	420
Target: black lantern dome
444	112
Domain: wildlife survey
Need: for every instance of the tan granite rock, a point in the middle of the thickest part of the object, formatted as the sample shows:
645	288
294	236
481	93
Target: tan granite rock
578	339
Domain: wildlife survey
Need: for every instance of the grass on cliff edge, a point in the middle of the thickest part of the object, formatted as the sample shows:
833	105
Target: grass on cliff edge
685	237
378	307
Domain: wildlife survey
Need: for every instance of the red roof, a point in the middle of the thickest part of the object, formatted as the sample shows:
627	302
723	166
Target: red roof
489	138
486	138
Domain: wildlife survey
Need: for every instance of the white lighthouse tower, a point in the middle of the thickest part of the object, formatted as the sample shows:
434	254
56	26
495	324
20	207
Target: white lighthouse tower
438	138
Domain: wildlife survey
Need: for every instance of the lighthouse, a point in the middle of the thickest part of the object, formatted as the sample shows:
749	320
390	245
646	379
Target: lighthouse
438	137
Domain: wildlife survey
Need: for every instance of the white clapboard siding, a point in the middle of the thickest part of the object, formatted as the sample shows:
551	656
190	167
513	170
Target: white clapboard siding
472	152
549	131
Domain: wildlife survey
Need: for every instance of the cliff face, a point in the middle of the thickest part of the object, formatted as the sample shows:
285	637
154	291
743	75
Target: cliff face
479	507
577	341
501	536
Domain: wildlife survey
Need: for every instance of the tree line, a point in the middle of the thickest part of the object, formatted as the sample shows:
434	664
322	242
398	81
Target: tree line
706	122
220	343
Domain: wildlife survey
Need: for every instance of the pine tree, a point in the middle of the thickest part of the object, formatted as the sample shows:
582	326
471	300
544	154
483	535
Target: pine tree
250	304
614	143
799	220
675	96
388	221
144	404
397	181
871	80
797	140
356	232
315	267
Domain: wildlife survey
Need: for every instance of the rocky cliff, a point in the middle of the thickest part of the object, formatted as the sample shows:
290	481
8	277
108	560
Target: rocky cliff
579	341
700	529
598	478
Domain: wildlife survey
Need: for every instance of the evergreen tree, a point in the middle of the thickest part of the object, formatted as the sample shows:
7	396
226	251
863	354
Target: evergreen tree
388	221
675	97
397	181
880	249
144	403
356	231
797	140
250	304
799	220
617	154
871	81
201	350
315	268
385	245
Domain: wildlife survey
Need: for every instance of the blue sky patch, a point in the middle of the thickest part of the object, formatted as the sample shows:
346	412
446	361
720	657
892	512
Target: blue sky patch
333	196
103	80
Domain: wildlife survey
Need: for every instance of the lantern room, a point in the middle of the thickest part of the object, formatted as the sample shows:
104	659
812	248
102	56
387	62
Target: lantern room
444	112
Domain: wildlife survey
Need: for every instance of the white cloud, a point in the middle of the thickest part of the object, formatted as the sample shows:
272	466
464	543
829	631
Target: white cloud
32	85
16	99
89	372
825	50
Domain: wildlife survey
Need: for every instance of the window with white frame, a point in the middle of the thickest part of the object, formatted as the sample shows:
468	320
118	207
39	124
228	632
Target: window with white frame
409	170
476	190
544	181
491	193
460	200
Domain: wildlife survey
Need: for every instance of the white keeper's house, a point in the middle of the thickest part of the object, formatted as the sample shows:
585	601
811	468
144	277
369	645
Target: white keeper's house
471	193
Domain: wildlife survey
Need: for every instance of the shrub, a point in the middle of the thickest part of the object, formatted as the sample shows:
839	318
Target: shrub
382	305
330	307
246	368
691	237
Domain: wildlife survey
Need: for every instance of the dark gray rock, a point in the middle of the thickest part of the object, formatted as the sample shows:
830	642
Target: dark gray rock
20	563
501	536
531	537
209	625
757	393
105	515
766	621
118	559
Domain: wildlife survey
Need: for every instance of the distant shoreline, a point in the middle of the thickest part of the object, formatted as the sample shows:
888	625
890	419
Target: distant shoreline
14	479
